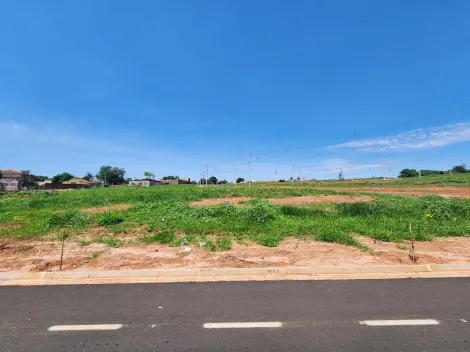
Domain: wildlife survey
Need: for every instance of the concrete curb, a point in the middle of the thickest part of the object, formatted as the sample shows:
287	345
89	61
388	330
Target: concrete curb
237	272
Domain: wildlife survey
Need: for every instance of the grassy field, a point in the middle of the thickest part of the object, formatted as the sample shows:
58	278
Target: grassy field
432	180
162	214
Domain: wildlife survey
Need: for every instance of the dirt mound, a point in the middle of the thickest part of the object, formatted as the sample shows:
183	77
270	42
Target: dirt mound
98	210
320	199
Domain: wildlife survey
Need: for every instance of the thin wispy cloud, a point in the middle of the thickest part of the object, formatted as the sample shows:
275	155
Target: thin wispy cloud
422	138
50	150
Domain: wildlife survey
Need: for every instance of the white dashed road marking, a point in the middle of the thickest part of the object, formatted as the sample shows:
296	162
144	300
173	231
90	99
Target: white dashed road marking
95	327
463	320
268	324
405	322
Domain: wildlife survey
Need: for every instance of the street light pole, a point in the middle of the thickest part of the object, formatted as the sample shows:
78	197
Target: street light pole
249	171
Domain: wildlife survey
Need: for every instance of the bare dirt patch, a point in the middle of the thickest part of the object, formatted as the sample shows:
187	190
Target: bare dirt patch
98	210
11	225
288	200
45	255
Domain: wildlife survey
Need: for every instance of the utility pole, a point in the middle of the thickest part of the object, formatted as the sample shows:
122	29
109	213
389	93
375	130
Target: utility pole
450	170
249	171
235	168
207	173
292	178
301	173
419	168
383	167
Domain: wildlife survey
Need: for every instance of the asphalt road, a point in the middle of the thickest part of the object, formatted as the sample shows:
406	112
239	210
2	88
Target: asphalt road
298	315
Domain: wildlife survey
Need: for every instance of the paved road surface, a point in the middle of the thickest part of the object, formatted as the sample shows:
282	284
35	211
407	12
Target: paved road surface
359	315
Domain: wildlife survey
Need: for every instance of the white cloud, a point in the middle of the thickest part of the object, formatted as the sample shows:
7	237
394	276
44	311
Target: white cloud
415	139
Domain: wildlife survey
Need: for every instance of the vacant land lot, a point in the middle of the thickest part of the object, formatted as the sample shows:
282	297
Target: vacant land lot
456	186
156	224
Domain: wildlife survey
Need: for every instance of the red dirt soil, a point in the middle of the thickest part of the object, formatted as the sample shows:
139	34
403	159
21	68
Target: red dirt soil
214	201
45	255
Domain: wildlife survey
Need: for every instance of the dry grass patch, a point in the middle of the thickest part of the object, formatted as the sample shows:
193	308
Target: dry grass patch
215	201
10	225
99	210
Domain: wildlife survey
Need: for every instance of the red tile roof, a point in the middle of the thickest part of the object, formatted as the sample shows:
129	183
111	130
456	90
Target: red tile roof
11	172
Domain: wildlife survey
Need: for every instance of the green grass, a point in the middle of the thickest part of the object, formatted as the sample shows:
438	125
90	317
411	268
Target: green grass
109	241
110	218
163	237
165	213
431	180
95	255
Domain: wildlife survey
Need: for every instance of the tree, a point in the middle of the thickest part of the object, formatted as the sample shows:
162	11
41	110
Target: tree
281	180
111	175
170	177
88	176
40	178
408	173
202	181
25	179
460	169
149	174
340	175
212	180
64	176
1	174
240	179
223	182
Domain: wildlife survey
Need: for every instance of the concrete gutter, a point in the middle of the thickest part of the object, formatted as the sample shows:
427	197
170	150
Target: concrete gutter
235	274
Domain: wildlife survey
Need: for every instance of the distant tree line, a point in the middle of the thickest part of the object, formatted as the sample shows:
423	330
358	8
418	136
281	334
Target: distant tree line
107	174
458	169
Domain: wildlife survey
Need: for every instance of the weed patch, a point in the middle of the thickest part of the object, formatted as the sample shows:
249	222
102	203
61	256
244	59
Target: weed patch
163	237
109	241
110	218
224	243
95	255
71	218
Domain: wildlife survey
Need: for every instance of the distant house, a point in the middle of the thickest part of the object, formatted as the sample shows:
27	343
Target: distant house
146	182
178	181
13	180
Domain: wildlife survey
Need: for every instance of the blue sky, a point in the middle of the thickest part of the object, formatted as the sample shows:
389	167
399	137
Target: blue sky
168	86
